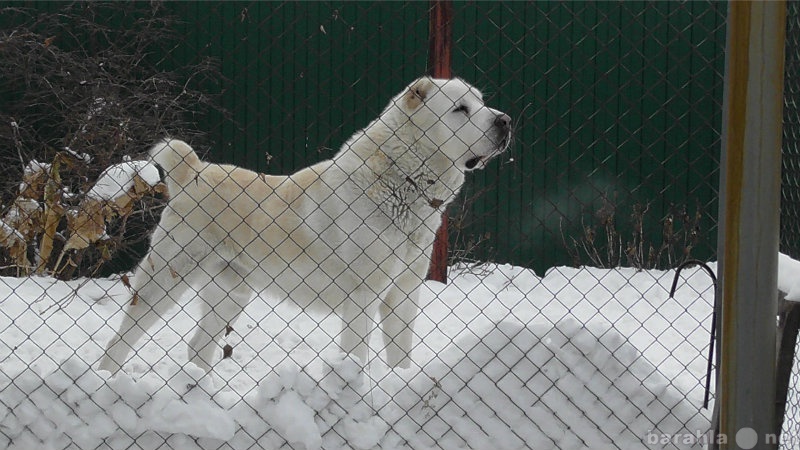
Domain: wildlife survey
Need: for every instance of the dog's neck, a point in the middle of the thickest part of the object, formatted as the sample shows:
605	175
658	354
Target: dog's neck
397	174
429	173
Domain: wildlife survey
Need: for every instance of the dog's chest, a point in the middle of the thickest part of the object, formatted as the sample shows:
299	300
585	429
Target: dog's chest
406	201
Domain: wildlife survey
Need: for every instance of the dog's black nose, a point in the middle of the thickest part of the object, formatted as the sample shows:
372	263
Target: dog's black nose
503	122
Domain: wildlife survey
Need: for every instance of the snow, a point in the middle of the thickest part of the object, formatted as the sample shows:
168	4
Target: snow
117	179
9	234
80	156
31	169
789	277
35	166
578	359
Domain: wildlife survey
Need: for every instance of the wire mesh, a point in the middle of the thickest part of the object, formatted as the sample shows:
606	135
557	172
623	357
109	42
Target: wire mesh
791	135
789	431
555	329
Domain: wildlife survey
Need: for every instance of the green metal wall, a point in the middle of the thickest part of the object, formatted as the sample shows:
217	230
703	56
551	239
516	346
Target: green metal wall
301	77
615	99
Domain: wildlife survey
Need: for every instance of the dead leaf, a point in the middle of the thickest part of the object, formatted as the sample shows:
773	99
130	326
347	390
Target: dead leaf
126	281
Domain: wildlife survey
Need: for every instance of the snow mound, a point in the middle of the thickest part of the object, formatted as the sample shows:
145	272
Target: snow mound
553	387
505	363
75	407
510	386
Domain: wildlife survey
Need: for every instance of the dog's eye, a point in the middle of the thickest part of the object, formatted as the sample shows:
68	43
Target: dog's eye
462	109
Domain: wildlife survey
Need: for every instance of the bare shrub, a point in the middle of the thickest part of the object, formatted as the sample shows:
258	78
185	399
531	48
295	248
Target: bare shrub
82	88
603	245
468	251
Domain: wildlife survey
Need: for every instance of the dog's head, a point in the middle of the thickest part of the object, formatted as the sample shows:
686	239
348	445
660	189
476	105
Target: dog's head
453	118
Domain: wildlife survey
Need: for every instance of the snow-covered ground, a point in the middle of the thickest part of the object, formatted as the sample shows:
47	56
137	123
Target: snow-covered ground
577	359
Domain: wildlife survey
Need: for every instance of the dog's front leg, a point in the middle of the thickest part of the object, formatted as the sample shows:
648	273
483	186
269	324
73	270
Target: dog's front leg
398	312
358	316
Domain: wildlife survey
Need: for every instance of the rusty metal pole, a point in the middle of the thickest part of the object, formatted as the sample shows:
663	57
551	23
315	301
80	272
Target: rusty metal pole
440	45
749	216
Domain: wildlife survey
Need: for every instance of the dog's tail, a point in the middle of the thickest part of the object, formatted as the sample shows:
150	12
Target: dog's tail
178	160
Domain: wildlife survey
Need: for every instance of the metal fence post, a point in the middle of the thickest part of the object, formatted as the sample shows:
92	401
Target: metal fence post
749	209
440	44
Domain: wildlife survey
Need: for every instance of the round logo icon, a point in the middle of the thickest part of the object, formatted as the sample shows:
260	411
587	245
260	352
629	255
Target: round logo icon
746	438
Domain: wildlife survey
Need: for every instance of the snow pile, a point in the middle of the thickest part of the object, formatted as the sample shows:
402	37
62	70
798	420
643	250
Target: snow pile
118	179
76	406
577	359
513	387
553	387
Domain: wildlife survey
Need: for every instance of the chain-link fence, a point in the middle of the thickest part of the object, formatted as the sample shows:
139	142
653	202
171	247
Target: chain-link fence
555	329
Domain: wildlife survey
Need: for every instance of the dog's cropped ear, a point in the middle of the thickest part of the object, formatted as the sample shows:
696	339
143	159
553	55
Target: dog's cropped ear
417	92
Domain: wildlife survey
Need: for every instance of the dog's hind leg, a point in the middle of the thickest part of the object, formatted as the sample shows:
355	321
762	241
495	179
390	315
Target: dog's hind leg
222	299
157	285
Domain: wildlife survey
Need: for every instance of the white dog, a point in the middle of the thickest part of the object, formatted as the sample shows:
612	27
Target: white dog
353	234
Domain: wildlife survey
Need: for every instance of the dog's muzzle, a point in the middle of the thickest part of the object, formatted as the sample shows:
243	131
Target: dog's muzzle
502	128
502	124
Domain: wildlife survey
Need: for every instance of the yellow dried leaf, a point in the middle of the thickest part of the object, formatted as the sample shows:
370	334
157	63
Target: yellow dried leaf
86	225
53	213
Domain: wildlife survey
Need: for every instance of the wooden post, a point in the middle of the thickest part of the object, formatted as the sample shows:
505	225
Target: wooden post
749	215
440	44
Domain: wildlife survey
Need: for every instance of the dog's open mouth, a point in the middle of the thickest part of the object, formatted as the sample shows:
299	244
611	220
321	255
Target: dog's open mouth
484	160
473	162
